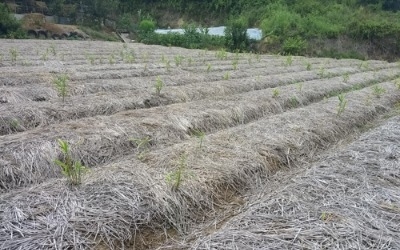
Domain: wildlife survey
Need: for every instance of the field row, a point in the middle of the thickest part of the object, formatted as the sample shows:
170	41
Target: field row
167	149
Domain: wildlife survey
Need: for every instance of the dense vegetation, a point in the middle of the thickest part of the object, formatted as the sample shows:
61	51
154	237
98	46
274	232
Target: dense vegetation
9	26
289	26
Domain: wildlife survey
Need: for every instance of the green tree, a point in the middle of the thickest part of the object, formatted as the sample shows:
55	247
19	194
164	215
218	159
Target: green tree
9	26
101	9
236	38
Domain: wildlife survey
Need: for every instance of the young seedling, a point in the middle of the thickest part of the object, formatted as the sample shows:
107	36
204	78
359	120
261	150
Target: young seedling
258	57
289	61
346	77
321	72
378	91
176	177
226	76
294	102
142	144
13	55
53	49
178	60
91	59
61	84
168	65
190	60
208	68
158	85
70	168
235	64
397	83
200	135
308	66
45	56
342	104
221	54
299	86
111	59
275	93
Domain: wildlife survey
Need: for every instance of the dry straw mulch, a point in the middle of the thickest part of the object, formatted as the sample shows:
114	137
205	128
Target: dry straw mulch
129	195
350	200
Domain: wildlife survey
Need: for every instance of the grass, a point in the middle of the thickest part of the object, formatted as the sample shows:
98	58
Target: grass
70	168
99	35
61	83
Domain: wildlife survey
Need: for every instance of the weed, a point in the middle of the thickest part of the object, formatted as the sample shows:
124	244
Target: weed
14	55
190	60
163	58
275	93
342	104
71	169
200	135
158	85
226	76
378	91
61	85
176	177
346	77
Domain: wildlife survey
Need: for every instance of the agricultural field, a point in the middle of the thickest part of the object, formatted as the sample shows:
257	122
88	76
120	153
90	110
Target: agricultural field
195	149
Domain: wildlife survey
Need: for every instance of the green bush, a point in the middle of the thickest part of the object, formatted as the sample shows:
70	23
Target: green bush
281	22
146	28
294	46
236	38
9	26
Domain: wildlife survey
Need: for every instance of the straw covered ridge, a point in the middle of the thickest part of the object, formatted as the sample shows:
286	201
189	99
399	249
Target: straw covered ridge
348	200
214	134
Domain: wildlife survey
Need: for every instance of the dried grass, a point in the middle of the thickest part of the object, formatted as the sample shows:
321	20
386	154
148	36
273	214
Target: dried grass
119	199
350	200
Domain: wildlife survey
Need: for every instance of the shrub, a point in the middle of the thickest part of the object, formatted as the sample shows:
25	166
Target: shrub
146	28
294	46
9	26
236	38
